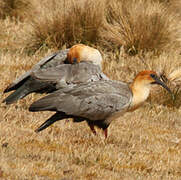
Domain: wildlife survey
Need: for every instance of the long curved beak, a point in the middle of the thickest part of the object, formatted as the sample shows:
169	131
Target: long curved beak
158	81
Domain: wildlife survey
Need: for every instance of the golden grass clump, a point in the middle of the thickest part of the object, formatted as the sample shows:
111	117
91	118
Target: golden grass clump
14	8
175	6
55	23
141	26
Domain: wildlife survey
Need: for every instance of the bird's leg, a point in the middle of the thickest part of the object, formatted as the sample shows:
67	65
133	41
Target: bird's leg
92	128
105	133
91	125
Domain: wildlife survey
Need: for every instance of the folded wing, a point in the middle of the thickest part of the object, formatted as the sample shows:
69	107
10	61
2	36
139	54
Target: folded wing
93	101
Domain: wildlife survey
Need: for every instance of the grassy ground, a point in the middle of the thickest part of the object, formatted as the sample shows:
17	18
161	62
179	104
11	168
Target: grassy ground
145	144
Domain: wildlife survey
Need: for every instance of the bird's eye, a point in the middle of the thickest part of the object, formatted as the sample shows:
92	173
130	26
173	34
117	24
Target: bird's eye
153	75
74	60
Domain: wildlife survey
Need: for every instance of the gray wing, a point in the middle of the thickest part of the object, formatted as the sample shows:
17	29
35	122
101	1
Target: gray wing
70	74
52	60
94	101
49	61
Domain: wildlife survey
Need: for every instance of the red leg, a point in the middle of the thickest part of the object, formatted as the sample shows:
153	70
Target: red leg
92	129
105	133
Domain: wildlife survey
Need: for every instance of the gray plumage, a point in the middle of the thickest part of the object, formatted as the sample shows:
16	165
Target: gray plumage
96	102
26	84
69	75
50	61
52	73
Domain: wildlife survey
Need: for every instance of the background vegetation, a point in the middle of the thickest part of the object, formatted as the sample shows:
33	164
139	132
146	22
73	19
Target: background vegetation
132	35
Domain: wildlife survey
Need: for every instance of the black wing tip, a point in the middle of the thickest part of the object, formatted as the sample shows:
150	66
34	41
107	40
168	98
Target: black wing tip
6	90
7	102
35	106
50	121
32	109
43	126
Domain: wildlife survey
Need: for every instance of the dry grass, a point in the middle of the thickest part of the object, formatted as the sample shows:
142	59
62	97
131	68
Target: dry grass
145	144
141	26
15	9
174	6
67	23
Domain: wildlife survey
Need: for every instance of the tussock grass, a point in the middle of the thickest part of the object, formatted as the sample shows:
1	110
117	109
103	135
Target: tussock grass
174	6
144	144
65	22
141	26
136	25
14	8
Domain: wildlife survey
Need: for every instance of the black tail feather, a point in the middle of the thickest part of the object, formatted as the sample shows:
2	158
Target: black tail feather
56	117
7	90
20	93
